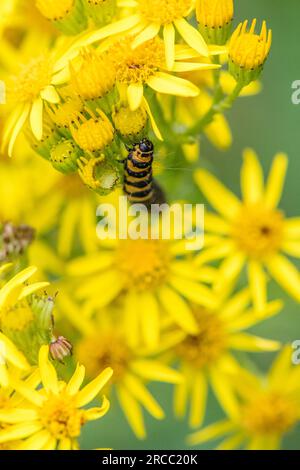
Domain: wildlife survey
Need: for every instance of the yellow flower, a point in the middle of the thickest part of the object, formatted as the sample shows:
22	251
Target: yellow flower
152	279
148	19
54	415
252	232
248	51
104	341
267	408
214	13
206	357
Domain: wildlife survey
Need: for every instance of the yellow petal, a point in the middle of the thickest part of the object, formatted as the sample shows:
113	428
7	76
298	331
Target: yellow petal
36	118
142	395
178	310
19	431
155	370
276	180
152	120
198	400
76	380
132	411
36	442
211	432
224	393
246	342
97	413
193	291
48	372
191	36
17	128
150	320
171	85
50	94
258	284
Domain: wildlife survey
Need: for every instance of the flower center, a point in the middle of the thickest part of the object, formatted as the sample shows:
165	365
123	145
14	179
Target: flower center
143	263
270	413
33	77
258	231
207	346
164	11
138	65
60	416
55	9
106	350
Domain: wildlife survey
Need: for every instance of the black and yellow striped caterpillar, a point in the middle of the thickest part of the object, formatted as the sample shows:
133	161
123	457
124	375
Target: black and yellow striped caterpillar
138	178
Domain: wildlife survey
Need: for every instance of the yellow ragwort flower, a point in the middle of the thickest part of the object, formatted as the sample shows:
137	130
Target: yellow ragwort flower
53	416
206	358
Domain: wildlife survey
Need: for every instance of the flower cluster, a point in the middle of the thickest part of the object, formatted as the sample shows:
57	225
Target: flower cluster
113	97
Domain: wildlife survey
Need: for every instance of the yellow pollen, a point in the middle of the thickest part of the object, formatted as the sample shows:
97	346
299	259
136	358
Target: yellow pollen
164	11
92	76
247	49
16	318
143	263
258	231
207	346
129	122
138	65
214	13
55	9
106	350
60	416
93	133
270	413
32	79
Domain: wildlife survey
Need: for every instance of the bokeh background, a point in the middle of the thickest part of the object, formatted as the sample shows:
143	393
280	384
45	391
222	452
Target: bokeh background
268	123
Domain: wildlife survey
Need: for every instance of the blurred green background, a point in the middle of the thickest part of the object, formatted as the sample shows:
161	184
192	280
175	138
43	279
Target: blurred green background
268	123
